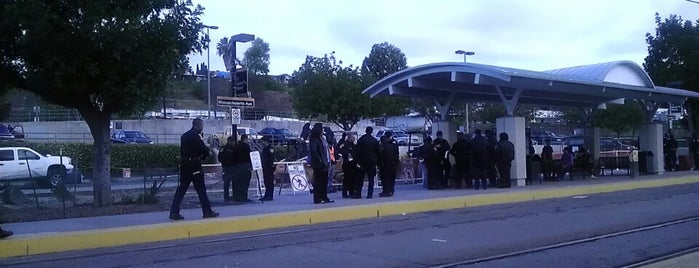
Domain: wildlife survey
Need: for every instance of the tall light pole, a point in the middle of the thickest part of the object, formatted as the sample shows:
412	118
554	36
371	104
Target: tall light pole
208	66
466	53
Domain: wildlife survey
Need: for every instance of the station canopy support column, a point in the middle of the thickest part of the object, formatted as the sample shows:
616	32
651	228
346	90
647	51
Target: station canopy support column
650	138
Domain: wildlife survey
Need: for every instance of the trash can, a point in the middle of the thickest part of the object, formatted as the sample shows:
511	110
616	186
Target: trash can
645	162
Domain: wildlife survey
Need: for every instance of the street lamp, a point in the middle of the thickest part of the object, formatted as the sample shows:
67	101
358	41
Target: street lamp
208	65
242	37
466	53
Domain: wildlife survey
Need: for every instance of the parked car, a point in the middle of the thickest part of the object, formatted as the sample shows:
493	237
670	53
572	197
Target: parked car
23	163
606	144
6	133
276	135
131	136
401	137
540	137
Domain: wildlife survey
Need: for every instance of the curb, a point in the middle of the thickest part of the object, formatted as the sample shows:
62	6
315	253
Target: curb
25	245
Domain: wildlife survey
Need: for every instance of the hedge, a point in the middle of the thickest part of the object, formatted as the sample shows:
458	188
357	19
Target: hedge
134	156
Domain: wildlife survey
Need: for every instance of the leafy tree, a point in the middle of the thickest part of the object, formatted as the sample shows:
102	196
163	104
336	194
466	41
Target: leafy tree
576	117
223	49
490	112
619	118
383	60
257	57
100	57
673	55
325	88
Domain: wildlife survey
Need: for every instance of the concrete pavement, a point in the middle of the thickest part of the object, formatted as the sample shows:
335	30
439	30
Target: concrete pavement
292	210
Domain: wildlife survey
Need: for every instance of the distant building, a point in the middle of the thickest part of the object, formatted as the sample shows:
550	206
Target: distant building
282	78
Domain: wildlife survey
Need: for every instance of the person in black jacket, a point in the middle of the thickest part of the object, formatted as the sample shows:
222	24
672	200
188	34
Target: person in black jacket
320	162
389	162
368	149
347	151
267	158
242	166
479	161
225	157
443	147
192	152
504	154
432	162
491	169
460	151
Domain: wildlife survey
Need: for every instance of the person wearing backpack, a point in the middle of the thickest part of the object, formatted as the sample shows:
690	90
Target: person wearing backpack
504	154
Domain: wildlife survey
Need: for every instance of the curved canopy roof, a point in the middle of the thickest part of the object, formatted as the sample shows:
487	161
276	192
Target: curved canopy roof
585	86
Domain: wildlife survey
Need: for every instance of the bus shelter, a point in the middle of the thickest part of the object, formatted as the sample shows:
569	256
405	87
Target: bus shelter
588	86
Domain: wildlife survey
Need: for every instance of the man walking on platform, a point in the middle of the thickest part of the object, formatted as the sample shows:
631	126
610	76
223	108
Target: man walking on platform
192	152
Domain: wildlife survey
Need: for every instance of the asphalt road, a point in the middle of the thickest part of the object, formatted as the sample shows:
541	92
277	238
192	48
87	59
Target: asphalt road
604	230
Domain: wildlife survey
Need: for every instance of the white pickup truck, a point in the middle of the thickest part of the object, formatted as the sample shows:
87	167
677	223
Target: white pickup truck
18	163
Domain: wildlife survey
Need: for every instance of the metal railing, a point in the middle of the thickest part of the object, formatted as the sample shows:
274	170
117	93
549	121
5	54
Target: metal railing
157	138
52	115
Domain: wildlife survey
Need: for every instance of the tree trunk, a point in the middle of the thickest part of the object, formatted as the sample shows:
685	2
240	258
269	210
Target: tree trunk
101	183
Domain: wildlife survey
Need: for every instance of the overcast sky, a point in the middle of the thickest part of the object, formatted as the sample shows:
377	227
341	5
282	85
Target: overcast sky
528	34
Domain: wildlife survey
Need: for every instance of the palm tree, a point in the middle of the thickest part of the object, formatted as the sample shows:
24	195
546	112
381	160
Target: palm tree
223	49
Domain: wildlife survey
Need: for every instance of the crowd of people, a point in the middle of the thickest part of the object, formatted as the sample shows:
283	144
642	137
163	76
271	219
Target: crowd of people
481	161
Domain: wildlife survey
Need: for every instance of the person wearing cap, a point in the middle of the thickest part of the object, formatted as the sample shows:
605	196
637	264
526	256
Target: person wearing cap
192	152
389	161
242	169
442	146
267	158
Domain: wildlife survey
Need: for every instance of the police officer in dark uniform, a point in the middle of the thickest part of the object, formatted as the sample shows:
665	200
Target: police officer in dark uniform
388	162
504	154
443	147
460	151
192	152
349	167
267	168
479	161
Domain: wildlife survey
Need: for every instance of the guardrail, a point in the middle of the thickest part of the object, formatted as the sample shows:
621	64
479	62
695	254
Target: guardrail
157	138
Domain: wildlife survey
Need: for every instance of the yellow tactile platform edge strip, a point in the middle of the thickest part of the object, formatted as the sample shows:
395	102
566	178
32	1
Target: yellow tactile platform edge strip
24	245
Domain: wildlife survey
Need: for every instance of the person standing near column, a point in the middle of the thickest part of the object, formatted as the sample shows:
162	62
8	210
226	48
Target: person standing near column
192	152
368	149
389	162
267	168
504	154
320	162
